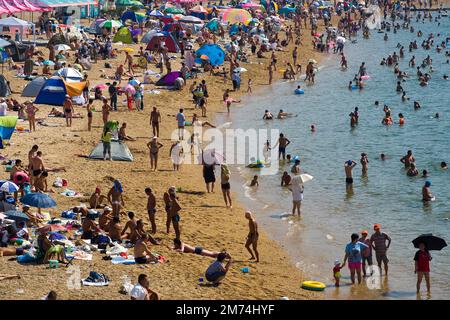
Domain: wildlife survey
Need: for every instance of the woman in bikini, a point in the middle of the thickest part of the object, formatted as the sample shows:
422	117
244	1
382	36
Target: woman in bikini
154	147
68	110
115	197
31	113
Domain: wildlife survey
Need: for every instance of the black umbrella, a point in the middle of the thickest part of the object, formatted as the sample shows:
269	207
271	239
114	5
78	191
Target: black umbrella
431	242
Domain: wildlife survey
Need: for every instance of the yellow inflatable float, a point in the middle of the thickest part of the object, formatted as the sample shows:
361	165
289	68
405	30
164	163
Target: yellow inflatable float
313	285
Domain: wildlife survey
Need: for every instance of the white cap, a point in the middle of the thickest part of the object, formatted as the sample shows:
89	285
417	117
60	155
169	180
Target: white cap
336	262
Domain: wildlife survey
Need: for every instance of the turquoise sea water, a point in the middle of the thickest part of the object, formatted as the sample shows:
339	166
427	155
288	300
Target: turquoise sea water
386	196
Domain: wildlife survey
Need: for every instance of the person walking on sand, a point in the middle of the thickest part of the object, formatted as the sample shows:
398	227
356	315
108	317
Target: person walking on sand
115	197
89	113
176	154
155	119
422	260
270	68
181	119
105	110
151	208
252	237
378	243
129	63
225	175
31	114
68	110
154	145
353	254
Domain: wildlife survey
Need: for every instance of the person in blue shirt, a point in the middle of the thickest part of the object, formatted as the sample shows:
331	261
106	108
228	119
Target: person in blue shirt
354	257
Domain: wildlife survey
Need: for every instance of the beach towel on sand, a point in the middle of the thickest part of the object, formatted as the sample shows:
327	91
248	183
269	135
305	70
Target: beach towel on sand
122	260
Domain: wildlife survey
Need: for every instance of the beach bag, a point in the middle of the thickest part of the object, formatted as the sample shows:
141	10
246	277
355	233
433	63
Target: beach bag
101	239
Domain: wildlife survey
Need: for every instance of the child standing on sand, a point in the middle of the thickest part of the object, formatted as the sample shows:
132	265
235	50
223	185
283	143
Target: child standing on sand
249	87
337	272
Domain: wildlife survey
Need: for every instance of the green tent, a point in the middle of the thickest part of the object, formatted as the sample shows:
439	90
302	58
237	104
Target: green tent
123	35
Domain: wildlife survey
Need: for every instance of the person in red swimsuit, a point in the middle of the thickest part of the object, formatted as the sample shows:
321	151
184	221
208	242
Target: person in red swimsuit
422	260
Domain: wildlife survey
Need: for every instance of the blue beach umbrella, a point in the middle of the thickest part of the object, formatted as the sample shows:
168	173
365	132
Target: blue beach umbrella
16	215
9	186
48	63
38	200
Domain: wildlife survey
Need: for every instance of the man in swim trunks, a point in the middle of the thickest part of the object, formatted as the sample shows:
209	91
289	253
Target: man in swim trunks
185	248
426	193
37	167
348	166
142	252
408	159
123	134
252	237
155	119
283	142
151	208
378	243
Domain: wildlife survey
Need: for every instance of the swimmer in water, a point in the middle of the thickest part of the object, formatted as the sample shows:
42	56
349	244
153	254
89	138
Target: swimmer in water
412	171
426	192
348	166
285	179
377	103
424	174
436	115
267	115
313	128
364	163
254	182
282	114
443	165
416	105
353	120
445	77
401	119
404	97
382	156
350	85
408	159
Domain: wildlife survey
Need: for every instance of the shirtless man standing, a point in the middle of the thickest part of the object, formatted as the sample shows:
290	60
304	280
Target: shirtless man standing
252	238
37	166
283	142
142	253
365	163
408	159
155	119
151	208
348	166
105	110
129	62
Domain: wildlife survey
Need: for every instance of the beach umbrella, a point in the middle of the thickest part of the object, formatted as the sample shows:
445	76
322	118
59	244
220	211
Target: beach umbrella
191	19
215	54
431	242
134	82
48	63
101	86
62	47
111	24
129	50
156	13
78	67
9	187
174	10
304	177
233	16
16	215
38	200
240	69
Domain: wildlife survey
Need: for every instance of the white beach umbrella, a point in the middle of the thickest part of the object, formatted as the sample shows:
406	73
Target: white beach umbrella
62	47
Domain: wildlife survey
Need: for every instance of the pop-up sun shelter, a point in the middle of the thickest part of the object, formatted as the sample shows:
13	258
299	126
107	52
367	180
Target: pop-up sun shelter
124	36
169	79
7	126
119	152
215	54
133	16
54	91
34	87
4	88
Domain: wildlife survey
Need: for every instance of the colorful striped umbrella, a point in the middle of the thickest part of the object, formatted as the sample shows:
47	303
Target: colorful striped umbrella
233	16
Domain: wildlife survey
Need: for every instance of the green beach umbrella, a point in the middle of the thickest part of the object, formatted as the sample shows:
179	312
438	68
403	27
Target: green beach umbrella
111	24
129	3
174	10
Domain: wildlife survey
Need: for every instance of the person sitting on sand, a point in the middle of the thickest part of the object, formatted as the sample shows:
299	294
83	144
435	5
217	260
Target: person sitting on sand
114	230
141	290
97	199
131	224
217	271
123	135
90	228
105	219
50	250
142	253
185	248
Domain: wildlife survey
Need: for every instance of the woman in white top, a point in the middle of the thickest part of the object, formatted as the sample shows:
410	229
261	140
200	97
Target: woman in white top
297	194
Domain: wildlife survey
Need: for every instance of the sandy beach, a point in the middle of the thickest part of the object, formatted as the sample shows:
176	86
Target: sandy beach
205	219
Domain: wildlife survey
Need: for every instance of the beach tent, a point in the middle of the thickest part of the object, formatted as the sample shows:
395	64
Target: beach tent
213	25
167	38
169	79
124	36
133	16
215	54
69	74
286	10
119	152
235	28
173	27
54	91
7	126
4	88
34	87
149	35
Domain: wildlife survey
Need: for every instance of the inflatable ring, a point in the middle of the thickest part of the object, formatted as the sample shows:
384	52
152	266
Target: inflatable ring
355	87
313	285
299	91
257	164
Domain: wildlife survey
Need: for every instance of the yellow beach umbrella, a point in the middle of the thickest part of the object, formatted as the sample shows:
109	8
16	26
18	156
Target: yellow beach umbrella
129	50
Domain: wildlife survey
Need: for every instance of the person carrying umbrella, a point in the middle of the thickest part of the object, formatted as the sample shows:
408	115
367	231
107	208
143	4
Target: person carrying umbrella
422	258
